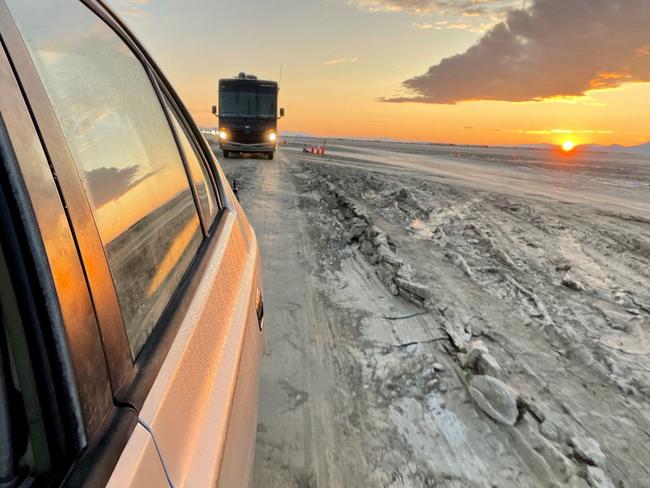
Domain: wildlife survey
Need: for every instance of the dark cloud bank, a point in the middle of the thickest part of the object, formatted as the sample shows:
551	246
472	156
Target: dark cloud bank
553	48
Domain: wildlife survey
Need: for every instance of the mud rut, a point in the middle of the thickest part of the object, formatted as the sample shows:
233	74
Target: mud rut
410	293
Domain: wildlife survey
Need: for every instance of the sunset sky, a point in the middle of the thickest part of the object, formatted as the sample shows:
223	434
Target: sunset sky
465	71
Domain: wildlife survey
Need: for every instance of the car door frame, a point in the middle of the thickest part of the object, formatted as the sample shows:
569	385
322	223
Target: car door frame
130	381
56	184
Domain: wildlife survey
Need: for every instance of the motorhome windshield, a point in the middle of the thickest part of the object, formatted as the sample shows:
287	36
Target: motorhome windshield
248	101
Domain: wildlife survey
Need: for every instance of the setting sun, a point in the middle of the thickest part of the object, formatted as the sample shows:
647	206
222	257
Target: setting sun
568	146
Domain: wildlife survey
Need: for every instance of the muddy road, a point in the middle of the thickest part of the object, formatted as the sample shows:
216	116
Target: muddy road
445	320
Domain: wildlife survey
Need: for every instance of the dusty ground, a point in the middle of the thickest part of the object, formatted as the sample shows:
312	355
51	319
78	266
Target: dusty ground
452	319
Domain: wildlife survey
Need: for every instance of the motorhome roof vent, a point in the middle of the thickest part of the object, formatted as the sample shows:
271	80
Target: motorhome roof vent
251	77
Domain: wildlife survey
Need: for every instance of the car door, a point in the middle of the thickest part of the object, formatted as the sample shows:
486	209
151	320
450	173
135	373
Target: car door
170	261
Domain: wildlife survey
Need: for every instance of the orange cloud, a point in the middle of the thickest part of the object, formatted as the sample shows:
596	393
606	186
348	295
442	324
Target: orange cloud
606	80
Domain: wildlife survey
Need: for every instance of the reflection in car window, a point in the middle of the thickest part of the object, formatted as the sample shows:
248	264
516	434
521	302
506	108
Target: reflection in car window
125	152
201	179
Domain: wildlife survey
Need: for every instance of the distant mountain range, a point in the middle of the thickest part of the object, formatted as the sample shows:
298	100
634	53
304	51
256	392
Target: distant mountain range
640	149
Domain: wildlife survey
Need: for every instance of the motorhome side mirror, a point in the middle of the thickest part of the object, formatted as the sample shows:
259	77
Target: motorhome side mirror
281	112
214	110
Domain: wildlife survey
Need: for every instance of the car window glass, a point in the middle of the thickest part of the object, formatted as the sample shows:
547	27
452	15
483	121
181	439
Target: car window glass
201	179
124	150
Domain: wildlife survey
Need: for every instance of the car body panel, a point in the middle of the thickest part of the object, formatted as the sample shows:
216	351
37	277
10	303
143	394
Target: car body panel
140	464
239	451
190	403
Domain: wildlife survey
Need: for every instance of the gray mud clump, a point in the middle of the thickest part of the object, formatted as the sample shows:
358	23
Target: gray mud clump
495	398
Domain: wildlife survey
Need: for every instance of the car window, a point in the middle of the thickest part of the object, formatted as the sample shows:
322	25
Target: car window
204	188
125	153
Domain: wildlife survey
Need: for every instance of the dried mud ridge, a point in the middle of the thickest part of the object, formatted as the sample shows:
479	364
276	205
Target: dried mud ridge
378	248
540	308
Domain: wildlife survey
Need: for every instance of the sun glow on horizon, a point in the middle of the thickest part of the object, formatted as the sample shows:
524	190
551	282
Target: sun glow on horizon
568	146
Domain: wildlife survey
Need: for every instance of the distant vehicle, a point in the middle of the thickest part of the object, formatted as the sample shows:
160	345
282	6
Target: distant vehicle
130	294
248	115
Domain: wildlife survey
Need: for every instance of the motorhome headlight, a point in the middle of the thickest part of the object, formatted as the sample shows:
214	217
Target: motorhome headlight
273	136
223	134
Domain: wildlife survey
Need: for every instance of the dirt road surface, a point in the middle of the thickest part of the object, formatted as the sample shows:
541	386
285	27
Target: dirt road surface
447	319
